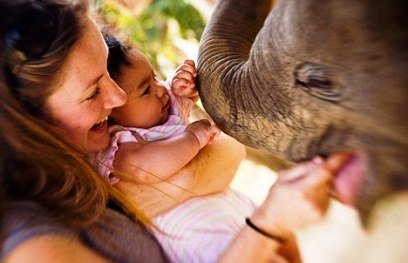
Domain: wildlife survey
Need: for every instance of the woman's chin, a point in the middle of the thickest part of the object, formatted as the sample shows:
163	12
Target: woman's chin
98	139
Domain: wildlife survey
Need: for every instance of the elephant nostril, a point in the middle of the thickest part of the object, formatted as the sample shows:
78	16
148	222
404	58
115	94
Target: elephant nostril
318	80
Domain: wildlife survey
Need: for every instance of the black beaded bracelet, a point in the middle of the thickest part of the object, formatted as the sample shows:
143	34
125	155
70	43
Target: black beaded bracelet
264	233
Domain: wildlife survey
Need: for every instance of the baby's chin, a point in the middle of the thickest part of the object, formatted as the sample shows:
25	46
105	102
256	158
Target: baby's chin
163	121
164	117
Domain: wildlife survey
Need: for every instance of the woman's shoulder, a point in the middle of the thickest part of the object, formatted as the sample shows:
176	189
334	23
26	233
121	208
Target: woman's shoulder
52	248
22	221
114	235
121	239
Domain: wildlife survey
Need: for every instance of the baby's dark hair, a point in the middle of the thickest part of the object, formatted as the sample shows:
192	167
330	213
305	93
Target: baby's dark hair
119	55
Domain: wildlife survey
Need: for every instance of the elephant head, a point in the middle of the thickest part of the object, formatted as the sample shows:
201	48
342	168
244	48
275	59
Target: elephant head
311	78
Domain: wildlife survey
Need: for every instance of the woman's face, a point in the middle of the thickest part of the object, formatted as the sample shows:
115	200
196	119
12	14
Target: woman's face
86	94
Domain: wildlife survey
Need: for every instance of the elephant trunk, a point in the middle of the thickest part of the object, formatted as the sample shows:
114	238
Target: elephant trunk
242	85
224	51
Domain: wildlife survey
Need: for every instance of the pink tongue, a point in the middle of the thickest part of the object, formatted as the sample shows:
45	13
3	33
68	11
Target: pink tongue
348	180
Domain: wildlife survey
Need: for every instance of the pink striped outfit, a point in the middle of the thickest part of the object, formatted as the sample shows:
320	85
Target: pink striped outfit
200	229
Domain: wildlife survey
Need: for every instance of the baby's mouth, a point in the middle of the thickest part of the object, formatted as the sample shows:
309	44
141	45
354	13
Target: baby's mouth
166	107
100	124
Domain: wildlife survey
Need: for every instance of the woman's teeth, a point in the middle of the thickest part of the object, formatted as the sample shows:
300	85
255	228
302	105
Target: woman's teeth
100	123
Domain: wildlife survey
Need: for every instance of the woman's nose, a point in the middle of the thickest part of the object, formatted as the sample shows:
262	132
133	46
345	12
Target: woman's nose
114	96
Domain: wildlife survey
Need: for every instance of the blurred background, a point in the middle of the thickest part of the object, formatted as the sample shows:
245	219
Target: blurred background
169	31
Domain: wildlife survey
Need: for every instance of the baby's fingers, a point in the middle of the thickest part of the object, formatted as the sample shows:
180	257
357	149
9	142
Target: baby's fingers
189	62
215	132
183	88
214	129
139	138
184	75
180	84
188	66
186	91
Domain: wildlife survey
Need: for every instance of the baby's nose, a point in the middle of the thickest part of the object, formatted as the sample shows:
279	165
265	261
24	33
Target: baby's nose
165	98
160	92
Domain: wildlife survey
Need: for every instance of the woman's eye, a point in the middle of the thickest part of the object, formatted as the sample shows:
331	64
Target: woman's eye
94	94
147	90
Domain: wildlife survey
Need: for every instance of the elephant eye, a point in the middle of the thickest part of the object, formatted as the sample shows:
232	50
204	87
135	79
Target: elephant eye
318	81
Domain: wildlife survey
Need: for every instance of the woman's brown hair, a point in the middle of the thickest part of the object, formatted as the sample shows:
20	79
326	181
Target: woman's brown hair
36	162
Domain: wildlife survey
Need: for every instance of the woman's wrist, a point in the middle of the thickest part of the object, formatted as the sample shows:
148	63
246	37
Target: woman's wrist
268	226
273	236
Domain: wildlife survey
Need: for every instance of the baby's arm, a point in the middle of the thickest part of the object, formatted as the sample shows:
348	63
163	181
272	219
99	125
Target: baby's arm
155	161
183	82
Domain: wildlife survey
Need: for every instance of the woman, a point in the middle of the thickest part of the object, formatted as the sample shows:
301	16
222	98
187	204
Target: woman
53	62
55	97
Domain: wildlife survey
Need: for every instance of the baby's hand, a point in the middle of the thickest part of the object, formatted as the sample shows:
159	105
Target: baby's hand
183	82
203	131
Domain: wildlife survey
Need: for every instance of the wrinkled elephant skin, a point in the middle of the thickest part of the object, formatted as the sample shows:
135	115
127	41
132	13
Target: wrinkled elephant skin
314	77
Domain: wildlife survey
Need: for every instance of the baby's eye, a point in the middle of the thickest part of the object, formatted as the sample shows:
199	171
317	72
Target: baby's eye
93	95
155	77
147	90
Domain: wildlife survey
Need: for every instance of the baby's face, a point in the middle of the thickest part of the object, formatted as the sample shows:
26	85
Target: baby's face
148	101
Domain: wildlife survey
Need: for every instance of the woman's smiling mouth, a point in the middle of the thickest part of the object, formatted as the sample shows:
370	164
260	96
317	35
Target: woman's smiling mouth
98	126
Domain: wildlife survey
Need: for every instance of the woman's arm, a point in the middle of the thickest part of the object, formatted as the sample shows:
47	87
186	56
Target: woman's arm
250	246
53	249
299	197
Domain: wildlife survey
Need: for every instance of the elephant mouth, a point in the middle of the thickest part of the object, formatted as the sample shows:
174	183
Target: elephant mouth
350	177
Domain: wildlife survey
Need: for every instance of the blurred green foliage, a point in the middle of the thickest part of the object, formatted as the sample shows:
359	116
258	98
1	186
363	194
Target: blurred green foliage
155	30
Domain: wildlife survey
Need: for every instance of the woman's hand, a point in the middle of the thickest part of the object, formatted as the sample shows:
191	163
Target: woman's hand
299	197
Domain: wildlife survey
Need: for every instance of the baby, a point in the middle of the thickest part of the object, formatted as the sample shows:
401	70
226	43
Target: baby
153	140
